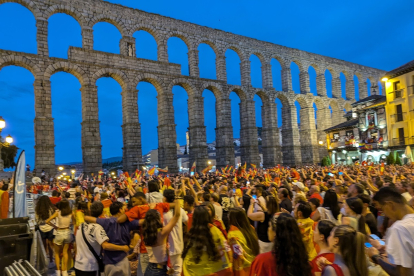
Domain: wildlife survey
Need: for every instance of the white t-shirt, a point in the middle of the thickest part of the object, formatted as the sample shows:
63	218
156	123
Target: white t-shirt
97	190
72	192
400	242
407	196
175	239
96	235
219	211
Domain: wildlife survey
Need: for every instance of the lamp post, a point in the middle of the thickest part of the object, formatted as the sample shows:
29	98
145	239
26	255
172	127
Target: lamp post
73	173
6	143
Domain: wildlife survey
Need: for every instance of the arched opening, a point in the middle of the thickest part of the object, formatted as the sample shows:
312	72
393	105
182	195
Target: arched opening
369	87
210	115
180	103
148	116
17	94
356	88
67	115
18	32
328	81
276	74
294	71
106	38
279	107
145	45
315	111
206	61
64	31
235	114
343	85
312	81
379	84
258	109
110	117
178	53
233	68
256	71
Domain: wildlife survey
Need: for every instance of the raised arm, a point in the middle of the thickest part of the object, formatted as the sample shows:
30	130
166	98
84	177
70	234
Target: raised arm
257	216
177	212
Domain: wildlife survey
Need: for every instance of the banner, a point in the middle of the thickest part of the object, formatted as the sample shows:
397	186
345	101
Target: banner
19	200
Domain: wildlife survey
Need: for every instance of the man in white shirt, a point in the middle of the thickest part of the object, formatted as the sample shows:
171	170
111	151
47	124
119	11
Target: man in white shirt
175	239
99	188
85	262
400	236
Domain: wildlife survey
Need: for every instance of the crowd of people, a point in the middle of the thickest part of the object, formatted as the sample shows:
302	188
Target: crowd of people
330	221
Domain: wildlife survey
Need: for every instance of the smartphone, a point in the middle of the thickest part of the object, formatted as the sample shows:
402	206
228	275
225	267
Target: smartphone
191	173
248	182
375	237
368	245
340	173
254	196
330	174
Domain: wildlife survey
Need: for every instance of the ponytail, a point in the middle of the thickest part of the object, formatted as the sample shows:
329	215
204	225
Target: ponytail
360	257
361	225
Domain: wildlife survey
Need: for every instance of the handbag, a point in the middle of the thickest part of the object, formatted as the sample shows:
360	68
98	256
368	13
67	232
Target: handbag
97	257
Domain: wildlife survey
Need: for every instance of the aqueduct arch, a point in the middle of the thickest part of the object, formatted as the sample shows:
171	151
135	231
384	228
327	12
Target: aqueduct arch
298	146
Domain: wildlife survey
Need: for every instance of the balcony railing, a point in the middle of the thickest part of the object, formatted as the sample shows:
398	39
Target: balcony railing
398	93
398	117
399	141
410	89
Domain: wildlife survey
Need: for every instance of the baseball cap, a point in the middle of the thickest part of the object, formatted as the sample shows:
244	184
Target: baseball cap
299	185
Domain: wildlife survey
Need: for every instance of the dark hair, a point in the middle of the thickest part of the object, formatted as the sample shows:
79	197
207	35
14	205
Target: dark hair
115	207
64	207
206	197
285	192
365	198
152	222
121	193
153	186
55	193
44	208
330	201
96	209
356	205
360	188
305	208
200	238
325	227
189	199
288	248
315	201
210	206
139	195
169	195
238	218
272	205
388	194
67	194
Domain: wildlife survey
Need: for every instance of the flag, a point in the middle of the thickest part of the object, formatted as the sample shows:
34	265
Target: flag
253	165
19	201
382	168
225	169
151	171
206	170
163	170
193	167
137	173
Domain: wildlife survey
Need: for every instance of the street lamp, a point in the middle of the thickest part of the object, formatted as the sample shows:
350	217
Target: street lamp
112	173
2	123
9	139
60	168
321	143
209	162
7	142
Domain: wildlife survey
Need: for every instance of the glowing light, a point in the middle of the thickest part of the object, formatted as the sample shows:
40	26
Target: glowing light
384	79
9	139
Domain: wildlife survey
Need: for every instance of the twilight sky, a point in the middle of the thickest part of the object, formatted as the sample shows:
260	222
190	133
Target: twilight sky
372	33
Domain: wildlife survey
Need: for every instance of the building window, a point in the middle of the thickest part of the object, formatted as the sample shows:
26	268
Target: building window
399	115
401	139
397	90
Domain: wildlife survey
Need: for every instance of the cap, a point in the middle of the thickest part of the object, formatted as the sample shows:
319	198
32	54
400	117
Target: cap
299	185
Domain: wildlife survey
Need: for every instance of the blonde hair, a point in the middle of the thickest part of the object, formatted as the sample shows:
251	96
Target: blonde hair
297	198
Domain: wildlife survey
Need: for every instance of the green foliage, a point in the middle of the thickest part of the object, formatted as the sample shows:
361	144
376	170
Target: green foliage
326	161
390	159
8	154
398	160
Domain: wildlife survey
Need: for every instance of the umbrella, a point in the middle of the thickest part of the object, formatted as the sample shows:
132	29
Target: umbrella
408	154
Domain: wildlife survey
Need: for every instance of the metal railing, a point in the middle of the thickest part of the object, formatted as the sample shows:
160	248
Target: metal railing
398	117
399	141
398	93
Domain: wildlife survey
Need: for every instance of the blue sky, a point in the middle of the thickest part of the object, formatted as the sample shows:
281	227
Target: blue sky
371	33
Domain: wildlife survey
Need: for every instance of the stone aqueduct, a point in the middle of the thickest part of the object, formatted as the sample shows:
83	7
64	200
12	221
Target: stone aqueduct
300	146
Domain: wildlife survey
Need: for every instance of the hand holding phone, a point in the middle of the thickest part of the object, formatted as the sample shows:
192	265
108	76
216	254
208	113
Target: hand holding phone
254	196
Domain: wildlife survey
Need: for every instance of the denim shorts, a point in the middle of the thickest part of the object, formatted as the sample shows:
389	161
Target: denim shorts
63	237
47	235
156	270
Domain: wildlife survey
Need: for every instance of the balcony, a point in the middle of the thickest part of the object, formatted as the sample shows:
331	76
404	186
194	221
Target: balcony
398	93
399	141
398	117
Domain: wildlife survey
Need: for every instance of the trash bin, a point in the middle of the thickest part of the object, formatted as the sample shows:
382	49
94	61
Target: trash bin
15	241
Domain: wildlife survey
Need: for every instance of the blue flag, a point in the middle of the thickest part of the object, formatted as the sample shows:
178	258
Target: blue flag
19	201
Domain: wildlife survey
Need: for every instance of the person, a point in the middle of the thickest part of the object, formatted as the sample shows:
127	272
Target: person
370	219
154	195
28	168
155	239
314	192
189	202
206	251
55	198
224	201
63	236
214	199
348	246
263	218
4	201
302	213
354	218
330	208
218	223
285	203
106	203
72	191
314	204
399	241
320	237
355	189
43	210
243	241
175	237
288	255
85	261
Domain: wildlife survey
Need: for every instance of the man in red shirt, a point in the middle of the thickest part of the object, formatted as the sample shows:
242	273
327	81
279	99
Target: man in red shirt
55	198
314	193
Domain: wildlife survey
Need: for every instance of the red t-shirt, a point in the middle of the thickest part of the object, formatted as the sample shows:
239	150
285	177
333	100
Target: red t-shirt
264	264
189	221
318	196
55	200
329	256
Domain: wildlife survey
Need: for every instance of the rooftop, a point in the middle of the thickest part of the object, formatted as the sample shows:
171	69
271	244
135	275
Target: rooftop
347	124
408	67
372	98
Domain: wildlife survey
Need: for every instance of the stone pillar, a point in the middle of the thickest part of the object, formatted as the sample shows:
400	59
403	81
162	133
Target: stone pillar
224	134
44	128
321	85
167	137
291	149
131	131
249	145
350	89
41	37
197	132
308	136
193	63
162	52
337	117
87	38
221	67
270	136
246	79
363	90
336	87
286	80
267	80
91	138
127	46
323	117
304	82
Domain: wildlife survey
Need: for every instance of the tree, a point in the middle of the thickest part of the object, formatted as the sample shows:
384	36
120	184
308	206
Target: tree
326	161
8	154
390	159
398	160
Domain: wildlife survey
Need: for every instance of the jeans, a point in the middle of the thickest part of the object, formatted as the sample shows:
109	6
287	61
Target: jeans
156	270
142	264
